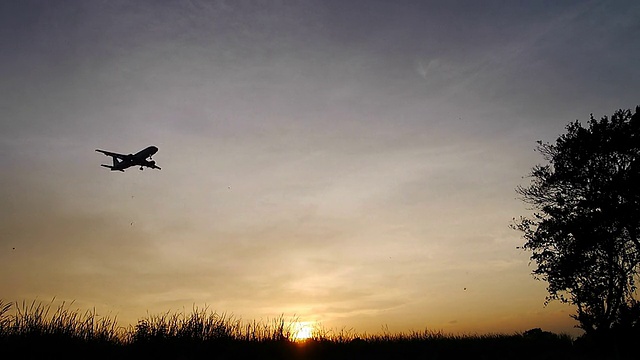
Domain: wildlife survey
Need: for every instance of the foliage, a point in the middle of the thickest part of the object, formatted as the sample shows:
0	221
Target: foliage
584	232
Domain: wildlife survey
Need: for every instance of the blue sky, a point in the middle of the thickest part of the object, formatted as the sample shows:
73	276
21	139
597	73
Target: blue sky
353	163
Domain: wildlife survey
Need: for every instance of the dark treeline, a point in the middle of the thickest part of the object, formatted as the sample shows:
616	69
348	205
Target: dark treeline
34	330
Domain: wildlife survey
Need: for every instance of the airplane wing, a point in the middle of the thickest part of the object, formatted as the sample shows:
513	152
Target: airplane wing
112	154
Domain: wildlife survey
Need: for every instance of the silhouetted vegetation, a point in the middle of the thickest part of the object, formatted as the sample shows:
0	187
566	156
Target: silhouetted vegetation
585	233
32	330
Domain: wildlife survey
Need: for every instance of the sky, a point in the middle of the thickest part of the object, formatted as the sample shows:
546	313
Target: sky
349	163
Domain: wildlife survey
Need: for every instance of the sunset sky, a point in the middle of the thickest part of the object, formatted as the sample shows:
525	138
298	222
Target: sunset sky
351	163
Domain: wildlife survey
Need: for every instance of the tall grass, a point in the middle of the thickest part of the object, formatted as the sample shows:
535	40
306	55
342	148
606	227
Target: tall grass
5	320
39	329
36	320
202	325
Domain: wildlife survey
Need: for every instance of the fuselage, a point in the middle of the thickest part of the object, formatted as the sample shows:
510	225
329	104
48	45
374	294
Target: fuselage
122	162
138	159
146	153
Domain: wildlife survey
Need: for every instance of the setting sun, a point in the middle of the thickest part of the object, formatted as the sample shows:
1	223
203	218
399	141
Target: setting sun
302	331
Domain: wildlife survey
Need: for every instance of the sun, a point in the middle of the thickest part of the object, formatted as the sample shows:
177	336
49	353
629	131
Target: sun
302	330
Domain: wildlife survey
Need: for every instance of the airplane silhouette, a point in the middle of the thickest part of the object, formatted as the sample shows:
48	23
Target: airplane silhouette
122	162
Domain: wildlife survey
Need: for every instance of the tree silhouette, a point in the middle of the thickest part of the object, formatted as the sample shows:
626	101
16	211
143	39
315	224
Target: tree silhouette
584	232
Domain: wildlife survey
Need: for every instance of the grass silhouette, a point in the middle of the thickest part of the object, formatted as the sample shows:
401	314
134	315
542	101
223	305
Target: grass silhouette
34	330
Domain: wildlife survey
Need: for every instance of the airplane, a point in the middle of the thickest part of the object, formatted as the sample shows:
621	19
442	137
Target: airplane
122	162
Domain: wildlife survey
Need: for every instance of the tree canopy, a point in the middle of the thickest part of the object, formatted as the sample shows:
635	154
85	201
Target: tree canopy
585	228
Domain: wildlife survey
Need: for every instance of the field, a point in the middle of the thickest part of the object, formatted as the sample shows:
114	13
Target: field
36	330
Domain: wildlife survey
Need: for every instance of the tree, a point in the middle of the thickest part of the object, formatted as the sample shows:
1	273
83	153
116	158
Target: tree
585	228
